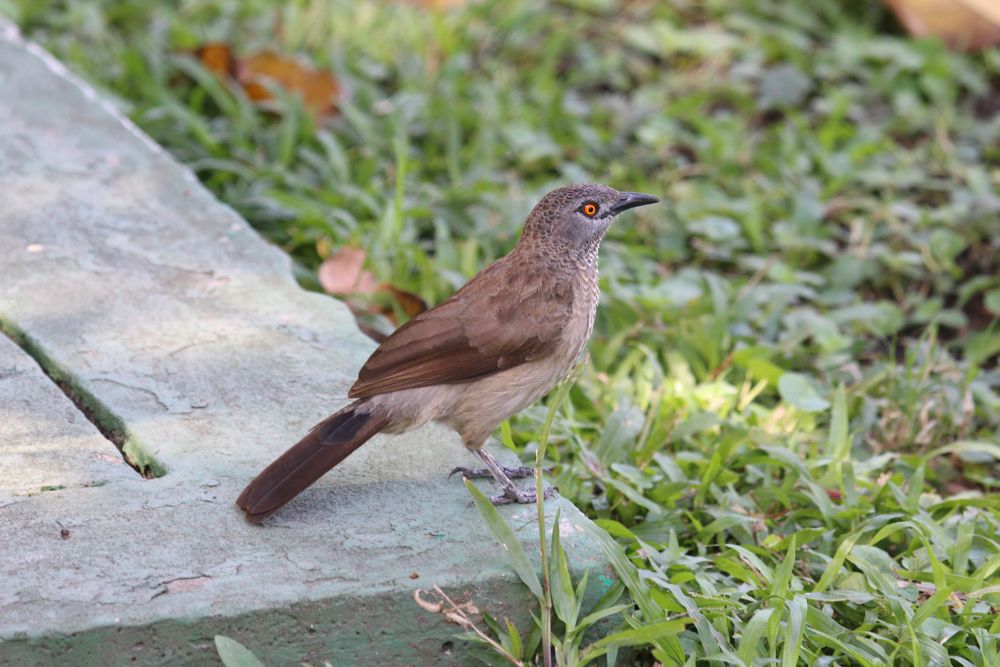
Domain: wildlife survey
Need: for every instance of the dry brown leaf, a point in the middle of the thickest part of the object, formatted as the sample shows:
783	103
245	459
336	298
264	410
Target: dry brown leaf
217	57
342	273
988	9
411	304
969	25
317	88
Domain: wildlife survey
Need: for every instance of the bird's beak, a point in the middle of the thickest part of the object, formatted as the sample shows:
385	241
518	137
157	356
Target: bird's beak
631	200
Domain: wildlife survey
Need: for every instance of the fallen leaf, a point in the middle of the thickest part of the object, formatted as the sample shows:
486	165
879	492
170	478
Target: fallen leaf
217	57
411	304
969	25
342	273
988	9
318	89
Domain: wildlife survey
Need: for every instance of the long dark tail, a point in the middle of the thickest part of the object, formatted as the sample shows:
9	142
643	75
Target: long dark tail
327	444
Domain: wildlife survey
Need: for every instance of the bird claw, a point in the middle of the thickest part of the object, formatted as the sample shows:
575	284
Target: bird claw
514	472
513	494
469	473
503	474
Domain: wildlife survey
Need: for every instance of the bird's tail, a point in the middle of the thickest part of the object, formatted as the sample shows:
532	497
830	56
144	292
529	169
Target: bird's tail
327	444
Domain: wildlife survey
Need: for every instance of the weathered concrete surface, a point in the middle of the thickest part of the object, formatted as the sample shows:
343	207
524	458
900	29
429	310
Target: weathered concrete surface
179	324
45	443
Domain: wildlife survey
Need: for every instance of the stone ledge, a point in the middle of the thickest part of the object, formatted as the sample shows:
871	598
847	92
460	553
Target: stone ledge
167	309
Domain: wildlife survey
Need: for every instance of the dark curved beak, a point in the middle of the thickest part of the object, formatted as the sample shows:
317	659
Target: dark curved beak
631	200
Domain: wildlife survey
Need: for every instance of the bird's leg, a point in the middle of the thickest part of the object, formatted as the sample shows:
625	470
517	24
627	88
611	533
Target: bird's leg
509	472
513	494
502	474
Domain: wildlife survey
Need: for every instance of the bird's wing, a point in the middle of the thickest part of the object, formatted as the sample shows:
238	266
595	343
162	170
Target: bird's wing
502	318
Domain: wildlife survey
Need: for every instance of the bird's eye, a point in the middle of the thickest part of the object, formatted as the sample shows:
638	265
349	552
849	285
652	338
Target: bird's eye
589	209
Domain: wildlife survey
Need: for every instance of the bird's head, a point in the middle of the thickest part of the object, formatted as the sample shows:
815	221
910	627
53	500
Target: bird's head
579	215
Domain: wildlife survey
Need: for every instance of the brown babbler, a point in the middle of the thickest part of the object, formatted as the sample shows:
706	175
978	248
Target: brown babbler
499	344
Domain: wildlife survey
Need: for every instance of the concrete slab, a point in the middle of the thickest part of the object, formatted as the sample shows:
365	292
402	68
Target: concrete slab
181	328
46	444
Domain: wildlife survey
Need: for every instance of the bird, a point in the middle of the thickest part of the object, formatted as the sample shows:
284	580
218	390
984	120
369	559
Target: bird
500	343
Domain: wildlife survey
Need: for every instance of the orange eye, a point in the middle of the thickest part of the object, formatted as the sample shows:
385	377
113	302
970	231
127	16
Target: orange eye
589	209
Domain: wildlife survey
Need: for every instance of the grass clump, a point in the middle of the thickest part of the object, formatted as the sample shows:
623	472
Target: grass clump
790	419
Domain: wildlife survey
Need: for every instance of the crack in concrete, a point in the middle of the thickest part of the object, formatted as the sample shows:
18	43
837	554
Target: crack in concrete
104	420
144	390
180	585
188	346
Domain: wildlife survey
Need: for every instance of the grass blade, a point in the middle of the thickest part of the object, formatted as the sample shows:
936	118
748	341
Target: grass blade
794	629
234	654
505	536
753	632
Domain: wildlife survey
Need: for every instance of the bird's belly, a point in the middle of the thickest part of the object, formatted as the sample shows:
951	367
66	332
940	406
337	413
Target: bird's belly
476	408
483	404
500	396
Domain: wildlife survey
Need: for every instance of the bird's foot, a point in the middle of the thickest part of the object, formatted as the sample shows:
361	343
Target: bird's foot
513	494
503	474
513	472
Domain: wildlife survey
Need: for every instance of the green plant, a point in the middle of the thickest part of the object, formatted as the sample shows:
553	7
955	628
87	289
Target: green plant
560	628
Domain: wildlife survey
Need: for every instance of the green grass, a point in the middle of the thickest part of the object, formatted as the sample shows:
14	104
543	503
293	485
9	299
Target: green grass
791	414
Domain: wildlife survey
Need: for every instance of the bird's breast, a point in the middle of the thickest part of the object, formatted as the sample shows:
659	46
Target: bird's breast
586	296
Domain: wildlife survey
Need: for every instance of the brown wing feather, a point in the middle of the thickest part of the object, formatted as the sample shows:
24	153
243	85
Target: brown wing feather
500	319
